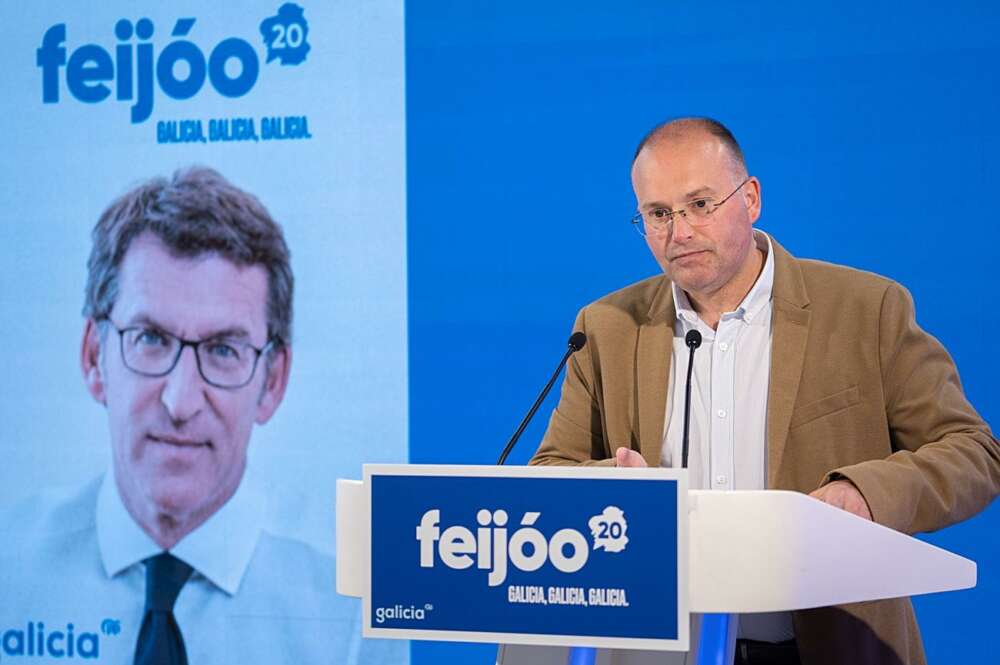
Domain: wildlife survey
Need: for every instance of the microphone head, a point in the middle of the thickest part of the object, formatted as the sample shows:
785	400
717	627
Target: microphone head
693	339
578	340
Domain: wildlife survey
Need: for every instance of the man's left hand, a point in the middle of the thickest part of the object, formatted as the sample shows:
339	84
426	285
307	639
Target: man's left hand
843	494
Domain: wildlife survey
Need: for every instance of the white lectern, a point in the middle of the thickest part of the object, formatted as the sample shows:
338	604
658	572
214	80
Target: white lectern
749	551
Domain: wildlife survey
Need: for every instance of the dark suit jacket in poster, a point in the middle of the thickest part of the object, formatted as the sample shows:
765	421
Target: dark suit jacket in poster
857	390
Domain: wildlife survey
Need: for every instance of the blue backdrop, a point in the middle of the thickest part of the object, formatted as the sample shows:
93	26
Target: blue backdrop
871	126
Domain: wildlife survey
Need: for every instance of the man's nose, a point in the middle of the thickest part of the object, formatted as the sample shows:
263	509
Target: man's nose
680	228
184	390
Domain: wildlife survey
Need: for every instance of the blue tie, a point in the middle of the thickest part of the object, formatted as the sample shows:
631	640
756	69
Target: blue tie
160	641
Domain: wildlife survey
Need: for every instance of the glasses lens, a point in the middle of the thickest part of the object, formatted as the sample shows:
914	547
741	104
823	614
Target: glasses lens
700	208
656	221
227	363
148	351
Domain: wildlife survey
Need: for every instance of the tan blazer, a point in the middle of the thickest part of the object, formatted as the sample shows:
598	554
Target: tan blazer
857	390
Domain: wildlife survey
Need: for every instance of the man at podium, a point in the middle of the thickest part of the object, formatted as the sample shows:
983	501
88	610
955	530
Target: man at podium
808	376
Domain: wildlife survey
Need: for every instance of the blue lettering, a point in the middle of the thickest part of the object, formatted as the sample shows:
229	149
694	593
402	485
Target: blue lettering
250	67
123	59
87	66
13	643
51	644
143	106
88	646
50	57
33	641
289	127
169	83
136	69
232	129
184	131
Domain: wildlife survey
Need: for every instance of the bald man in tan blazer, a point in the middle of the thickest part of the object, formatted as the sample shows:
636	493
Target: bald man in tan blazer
864	409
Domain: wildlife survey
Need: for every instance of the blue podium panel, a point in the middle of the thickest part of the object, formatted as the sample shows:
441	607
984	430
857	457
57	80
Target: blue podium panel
563	556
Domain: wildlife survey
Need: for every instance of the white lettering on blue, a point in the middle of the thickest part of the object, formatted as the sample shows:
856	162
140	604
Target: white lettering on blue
490	548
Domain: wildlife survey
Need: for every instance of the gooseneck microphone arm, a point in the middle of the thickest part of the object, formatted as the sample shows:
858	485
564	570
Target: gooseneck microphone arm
576	342
693	341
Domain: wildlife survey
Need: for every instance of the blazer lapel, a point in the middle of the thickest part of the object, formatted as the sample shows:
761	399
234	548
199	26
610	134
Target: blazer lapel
789	335
654	349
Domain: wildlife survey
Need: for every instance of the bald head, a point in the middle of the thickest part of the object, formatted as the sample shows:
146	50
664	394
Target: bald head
688	129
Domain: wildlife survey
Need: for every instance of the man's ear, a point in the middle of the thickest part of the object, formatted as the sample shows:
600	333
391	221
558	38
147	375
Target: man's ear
90	361
751	195
277	367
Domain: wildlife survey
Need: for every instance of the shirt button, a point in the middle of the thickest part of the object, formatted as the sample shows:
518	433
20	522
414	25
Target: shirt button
723	346
721	413
720	480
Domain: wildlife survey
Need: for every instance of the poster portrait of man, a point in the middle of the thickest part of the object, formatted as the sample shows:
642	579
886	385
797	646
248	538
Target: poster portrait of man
187	346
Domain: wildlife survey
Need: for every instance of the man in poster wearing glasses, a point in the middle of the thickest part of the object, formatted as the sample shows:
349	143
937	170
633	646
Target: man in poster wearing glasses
187	345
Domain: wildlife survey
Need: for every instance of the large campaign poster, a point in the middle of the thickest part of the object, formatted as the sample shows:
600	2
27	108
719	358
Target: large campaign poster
300	105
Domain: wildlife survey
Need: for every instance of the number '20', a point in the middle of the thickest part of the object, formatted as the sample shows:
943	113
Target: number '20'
614	530
290	37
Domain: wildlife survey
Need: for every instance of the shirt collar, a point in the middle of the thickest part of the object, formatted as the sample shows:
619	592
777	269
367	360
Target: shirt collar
754	302
122	542
220	549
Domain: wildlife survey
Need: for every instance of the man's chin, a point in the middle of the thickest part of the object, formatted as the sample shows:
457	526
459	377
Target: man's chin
688	281
179	500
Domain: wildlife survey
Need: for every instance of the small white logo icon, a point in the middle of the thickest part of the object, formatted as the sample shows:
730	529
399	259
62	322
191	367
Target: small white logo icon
608	530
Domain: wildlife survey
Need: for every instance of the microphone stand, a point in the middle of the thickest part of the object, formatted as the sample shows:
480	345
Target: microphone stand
576	342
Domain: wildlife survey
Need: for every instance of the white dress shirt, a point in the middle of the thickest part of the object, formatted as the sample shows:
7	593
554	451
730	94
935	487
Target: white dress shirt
728	424
74	559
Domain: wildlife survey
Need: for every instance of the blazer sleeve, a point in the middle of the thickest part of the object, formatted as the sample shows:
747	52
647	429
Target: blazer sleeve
946	462
575	434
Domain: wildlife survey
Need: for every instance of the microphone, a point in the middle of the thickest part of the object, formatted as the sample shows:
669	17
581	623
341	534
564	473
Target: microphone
693	341
576	342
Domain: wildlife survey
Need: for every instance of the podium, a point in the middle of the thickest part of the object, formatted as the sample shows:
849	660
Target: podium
739	552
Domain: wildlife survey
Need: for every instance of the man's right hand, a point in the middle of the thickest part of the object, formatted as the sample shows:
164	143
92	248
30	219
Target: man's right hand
628	457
